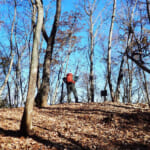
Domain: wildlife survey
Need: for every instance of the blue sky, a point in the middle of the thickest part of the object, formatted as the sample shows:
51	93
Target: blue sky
99	68
68	5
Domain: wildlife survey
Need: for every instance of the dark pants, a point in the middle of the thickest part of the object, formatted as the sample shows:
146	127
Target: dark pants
71	88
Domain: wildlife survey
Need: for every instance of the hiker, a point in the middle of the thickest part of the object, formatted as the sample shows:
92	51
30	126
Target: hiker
70	82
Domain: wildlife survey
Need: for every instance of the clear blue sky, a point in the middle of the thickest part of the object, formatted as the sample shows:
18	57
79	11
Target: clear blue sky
67	5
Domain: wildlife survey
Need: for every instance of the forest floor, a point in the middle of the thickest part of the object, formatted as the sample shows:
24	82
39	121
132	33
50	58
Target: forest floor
82	126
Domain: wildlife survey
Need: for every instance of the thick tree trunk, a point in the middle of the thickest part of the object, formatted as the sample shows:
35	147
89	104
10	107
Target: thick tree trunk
42	95
26	123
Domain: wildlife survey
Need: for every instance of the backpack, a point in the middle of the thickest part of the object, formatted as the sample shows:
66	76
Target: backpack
69	78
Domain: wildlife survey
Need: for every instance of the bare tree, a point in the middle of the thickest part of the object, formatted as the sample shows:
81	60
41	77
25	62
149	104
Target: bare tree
109	53
42	95
148	9
141	42
12	52
90	8
130	71
145	84
26	123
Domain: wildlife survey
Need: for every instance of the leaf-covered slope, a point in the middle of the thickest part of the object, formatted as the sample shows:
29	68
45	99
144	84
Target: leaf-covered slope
89	126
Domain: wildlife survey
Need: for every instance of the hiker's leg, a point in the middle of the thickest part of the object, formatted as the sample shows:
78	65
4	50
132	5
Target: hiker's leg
68	93
75	93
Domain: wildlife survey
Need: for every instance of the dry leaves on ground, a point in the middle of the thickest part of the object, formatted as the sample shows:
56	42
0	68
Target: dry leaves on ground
82	126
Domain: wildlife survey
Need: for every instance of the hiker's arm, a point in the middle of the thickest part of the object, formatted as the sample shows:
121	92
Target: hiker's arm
64	79
75	78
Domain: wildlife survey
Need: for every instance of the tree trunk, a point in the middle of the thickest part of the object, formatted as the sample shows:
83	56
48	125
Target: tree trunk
120	77
148	9
58	81
91	60
17	82
26	123
109	53
42	95
146	89
88	93
62	93
130	73
9	96
56	87
12	53
38	74
7	76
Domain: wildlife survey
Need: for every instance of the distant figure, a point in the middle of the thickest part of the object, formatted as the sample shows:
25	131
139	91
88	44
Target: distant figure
70	82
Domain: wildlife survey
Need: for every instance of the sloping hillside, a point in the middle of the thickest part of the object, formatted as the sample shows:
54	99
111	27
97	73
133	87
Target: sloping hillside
93	126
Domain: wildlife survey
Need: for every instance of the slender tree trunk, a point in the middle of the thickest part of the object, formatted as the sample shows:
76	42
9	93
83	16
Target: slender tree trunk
109	53
90	8
38	74
9	96
56	87
91	60
146	88
42	95
12	53
120	77
58	80
7	76
88	93
62	93
130	73
26	123
17	82
62	86
148	9
124	95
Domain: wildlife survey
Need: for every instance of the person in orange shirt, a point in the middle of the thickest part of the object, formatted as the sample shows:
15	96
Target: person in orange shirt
70	83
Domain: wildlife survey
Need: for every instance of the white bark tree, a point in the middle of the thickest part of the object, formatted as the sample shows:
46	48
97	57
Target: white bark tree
109	52
26	123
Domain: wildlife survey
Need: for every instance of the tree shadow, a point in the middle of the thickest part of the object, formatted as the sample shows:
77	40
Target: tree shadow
120	106
77	145
49	144
74	145
11	133
10	119
133	146
60	110
126	119
139	119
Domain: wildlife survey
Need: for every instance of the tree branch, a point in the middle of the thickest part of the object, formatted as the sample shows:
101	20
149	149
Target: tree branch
44	32
139	64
